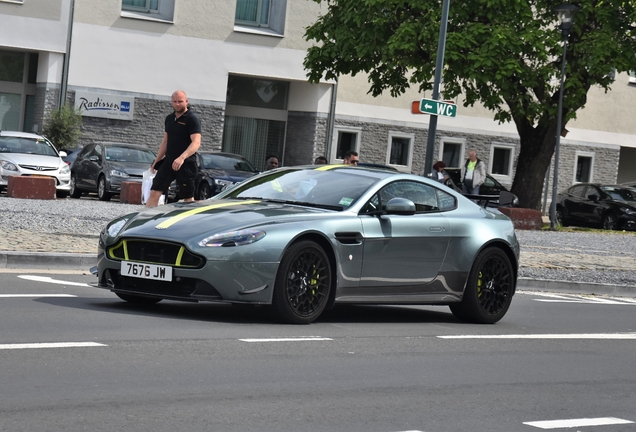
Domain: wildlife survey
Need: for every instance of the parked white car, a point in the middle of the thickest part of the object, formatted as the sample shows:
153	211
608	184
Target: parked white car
27	154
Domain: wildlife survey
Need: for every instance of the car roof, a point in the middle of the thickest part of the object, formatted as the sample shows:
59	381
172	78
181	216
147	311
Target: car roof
19	134
211	152
120	144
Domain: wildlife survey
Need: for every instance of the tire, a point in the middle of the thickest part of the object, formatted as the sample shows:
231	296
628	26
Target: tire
489	289
204	191
560	217
74	192
609	221
101	189
140	300
61	194
303	283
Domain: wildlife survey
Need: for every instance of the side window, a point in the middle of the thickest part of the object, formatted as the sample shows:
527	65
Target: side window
446	201
578	190
423	195
264	16
86	152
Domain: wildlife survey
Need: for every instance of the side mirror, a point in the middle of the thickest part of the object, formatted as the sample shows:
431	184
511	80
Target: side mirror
94	158
508	199
63	153
400	206
593	197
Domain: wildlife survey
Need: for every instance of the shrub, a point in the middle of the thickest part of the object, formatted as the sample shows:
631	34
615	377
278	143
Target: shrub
62	127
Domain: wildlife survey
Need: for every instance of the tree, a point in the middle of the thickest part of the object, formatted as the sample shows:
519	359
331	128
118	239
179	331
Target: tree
62	127
505	54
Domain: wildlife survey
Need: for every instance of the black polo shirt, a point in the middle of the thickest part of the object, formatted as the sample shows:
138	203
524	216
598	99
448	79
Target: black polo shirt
179	131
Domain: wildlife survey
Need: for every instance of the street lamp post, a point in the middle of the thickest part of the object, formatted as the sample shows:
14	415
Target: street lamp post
566	14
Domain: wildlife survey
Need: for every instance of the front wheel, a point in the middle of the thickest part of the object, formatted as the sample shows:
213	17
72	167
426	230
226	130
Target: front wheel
75	192
140	300
609	221
302	284
101	190
489	289
204	191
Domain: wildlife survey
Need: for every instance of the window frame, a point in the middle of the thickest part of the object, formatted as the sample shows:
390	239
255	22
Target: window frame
164	13
276	21
502	178
334	144
409	157
455	141
587	154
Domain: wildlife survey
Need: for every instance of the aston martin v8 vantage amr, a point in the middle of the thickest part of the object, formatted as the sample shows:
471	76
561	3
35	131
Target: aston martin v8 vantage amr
302	239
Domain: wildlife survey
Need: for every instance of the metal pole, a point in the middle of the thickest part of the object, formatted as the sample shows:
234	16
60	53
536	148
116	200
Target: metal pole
555	182
439	66
67	55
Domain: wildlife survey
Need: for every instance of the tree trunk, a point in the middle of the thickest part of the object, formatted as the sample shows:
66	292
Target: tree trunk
537	147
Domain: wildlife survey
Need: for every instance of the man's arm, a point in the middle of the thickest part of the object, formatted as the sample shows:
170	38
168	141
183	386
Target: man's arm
192	149
162	149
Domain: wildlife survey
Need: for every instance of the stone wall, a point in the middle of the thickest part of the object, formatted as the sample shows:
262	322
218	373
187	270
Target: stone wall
305	137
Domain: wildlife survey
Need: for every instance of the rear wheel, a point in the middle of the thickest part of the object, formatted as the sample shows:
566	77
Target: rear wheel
489	290
101	190
302	284
204	191
130	298
74	192
560	217
609	221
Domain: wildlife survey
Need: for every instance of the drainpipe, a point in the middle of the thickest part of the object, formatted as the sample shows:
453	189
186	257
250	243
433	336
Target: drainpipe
331	120
67	55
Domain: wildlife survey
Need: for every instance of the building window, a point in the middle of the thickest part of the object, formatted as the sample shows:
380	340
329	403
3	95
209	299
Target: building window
501	161
584	169
257	93
265	17
153	10
451	152
254	138
345	139
400	151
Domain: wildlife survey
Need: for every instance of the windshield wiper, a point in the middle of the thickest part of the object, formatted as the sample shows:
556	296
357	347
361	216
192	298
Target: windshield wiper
305	204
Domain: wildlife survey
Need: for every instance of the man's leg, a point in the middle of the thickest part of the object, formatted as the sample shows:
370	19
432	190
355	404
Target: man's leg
153	199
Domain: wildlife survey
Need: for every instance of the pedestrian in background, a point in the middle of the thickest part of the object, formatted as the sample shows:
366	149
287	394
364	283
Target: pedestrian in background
440	175
175	158
350	158
320	160
271	162
473	174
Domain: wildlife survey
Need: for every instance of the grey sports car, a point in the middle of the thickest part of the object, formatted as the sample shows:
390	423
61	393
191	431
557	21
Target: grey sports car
302	239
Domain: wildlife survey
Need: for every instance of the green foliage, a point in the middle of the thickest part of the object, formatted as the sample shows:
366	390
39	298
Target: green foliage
62	127
504	54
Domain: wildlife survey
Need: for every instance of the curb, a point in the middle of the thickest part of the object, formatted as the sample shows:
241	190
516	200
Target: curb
575	287
46	260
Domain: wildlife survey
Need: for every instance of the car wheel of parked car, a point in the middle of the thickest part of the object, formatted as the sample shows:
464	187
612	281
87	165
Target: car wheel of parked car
489	289
61	194
101	190
303	283
204	191
609	221
560	217
75	192
140	300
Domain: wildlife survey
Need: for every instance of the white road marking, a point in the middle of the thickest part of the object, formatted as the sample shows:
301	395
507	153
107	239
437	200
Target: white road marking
570	423
296	339
51	280
556	298
35	295
51	345
619	336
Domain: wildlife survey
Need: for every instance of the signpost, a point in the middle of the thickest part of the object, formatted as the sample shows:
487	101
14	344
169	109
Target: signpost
434	107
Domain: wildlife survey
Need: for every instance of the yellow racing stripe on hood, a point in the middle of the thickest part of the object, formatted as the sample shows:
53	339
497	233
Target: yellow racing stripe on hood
327	167
173	220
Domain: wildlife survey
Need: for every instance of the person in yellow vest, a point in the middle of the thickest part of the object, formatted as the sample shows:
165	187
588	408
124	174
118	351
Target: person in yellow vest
473	174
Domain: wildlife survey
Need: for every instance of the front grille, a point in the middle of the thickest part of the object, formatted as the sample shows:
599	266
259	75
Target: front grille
154	252
181	288
38	168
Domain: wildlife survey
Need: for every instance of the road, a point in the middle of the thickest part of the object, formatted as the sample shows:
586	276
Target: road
76	358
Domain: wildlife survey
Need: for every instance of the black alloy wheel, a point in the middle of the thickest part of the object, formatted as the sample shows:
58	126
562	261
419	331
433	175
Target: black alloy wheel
101	189
303	283
74	192
560	217
204	191
489	289
609	221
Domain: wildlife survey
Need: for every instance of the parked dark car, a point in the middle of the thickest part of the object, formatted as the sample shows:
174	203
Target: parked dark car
217	170
71	155
489	187
102	167
607	206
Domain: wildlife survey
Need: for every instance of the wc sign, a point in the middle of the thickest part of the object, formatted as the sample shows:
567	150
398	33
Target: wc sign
105	106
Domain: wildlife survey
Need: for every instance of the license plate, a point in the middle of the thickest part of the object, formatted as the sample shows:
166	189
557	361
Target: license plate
146	271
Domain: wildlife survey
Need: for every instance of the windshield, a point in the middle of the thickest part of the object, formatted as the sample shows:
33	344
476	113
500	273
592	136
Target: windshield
35	146
336	189
619	194
226	163
127	154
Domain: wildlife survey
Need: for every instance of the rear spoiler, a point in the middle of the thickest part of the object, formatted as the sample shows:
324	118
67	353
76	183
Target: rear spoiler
504	199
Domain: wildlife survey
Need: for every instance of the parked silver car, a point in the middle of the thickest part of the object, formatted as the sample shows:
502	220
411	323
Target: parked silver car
27	154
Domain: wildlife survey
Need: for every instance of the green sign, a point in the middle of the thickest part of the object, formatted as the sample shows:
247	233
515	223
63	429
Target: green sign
440	108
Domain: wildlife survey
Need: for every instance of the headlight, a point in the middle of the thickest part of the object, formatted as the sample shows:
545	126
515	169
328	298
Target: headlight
9	166
65	169
628	211
115	228
117	173
223	183
233	238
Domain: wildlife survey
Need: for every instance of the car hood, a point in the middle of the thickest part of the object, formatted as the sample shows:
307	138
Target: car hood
31	159
132	168
231	175
181	222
